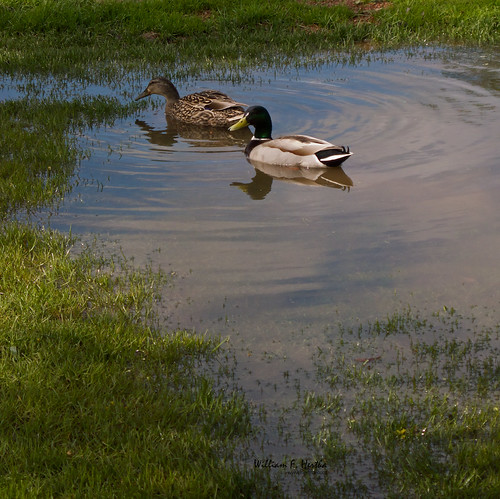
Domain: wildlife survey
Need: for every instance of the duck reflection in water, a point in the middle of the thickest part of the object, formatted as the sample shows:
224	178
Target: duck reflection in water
194	135
261	183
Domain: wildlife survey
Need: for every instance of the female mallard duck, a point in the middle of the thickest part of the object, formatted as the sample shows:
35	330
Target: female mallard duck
290	150
208	108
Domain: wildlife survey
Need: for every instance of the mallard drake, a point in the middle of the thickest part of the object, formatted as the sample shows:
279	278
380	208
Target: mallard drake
290	150
207	108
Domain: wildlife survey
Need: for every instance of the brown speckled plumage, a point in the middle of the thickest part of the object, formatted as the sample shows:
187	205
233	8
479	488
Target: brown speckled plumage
206	108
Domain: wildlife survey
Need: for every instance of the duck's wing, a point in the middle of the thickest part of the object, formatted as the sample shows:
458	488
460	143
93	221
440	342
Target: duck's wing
212	100
301	145
217	105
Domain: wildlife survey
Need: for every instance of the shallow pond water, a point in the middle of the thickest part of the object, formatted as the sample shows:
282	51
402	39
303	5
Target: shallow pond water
274	260
412	214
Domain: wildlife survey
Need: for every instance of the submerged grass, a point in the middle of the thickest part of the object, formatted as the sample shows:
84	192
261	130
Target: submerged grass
416	400
39	147
94	400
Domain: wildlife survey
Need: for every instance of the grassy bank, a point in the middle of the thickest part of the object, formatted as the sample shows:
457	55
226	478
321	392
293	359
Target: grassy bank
68	36
95	402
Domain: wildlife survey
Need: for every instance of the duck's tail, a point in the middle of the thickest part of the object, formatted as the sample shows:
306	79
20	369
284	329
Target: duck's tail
334	156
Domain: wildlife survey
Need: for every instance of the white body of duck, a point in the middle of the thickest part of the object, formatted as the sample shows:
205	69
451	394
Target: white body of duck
291	150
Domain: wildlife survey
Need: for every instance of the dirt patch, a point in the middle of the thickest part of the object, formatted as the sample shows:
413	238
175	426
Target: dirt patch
363	11
205	14
356	6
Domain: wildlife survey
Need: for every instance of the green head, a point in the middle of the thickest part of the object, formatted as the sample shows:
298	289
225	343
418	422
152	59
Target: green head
258	117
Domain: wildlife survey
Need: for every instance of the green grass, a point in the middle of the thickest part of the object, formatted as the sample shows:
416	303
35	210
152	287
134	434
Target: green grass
454	21
68	36
94	401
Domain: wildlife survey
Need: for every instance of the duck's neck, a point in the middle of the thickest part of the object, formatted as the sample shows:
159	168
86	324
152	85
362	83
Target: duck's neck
170	93
263	131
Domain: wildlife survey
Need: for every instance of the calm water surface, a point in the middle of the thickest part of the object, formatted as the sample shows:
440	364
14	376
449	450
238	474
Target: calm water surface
412	215
274	260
